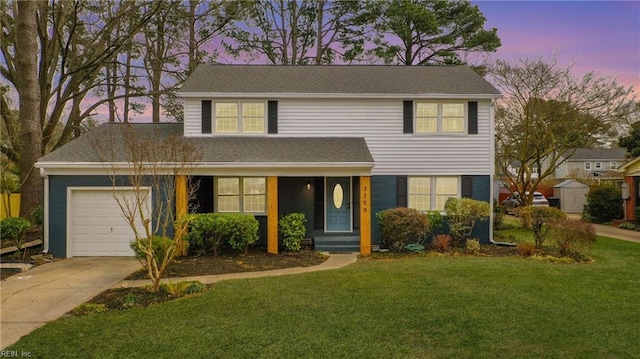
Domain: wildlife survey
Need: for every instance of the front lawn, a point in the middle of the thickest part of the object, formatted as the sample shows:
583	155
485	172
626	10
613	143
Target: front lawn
419	307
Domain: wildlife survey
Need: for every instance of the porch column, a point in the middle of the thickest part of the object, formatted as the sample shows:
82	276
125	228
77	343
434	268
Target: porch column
272	214
182	204
365	215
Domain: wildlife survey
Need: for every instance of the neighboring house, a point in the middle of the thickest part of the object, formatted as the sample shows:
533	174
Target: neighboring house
593	163
338	143
631	173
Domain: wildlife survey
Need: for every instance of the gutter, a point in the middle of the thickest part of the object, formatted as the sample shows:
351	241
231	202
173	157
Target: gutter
45	224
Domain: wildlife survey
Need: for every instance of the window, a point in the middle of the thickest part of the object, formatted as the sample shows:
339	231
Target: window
598	165
246	195
243	117
434	117
587	166
613	166
431	193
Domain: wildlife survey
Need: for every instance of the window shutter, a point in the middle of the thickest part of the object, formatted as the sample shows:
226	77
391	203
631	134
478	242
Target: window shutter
467	186
407	109
401	191
206	116
272	116
473	117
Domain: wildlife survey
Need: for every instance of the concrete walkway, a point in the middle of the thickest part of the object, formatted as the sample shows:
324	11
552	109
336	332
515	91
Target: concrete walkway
335	261
49	291
617	233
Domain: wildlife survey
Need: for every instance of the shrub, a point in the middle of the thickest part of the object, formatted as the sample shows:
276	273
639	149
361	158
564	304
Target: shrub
572	236
208	231
441	242
540	218
463	213
13	228
243	231
130	300
604	204
182	288
526	249
37	216
292	228
401	226
161	246
473	245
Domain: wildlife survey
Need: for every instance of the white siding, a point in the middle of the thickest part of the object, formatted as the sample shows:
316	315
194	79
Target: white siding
379	121
193	117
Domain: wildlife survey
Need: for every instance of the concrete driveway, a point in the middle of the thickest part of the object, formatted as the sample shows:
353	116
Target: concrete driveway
47	292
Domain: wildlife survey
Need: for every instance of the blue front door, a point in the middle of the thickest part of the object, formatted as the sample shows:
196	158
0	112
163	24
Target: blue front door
338	203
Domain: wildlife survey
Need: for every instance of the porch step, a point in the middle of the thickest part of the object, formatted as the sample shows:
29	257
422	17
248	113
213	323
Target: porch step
337	243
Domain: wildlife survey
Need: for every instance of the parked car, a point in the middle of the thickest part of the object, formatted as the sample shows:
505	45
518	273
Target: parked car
513	202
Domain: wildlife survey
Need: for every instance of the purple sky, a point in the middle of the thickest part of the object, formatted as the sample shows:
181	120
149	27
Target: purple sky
600	36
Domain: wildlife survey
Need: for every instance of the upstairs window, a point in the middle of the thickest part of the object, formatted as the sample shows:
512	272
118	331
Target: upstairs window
598	165
239	117
613	166
440	117
587	166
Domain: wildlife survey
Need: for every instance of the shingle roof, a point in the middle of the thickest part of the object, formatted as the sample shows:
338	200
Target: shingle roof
614	154
273	79
229	149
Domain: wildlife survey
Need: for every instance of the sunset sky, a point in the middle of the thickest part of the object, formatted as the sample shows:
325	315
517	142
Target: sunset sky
600	36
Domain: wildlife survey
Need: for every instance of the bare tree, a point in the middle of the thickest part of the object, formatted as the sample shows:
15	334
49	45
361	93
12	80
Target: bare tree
546	114
148	162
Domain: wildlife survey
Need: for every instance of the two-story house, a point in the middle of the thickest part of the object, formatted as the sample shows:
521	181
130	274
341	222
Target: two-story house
338	143
592	163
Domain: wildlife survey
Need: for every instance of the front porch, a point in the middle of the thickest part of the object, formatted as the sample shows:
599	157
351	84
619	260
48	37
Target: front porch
338	209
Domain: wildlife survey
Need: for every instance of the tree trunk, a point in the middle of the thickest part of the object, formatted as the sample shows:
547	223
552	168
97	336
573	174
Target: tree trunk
30	141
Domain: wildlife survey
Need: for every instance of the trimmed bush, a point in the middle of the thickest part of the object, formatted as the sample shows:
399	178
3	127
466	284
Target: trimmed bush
292	228
498	215
539	218
402	226
526	249
207	232
182	288
572	236
463	213
629	226
473	245
604	204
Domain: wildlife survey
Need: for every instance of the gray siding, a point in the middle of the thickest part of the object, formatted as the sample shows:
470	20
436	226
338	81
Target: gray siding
293	196
383	196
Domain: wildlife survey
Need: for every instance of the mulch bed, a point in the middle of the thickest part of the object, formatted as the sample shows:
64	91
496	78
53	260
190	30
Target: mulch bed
230	261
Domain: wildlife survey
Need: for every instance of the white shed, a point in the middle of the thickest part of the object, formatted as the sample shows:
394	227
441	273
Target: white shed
572	195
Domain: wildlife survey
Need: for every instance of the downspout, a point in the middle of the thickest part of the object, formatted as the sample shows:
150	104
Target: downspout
492	169
45	223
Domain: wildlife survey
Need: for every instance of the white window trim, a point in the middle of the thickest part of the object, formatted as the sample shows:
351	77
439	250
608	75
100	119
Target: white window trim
587	166
432	191
613	166
240	131
598	165
240	194
465	119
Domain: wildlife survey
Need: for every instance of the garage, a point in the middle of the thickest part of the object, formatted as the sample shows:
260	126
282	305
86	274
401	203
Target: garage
96	226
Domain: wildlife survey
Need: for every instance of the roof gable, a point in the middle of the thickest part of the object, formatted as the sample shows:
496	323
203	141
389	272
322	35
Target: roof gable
354	80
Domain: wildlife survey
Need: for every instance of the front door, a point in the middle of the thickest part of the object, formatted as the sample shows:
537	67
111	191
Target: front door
338	204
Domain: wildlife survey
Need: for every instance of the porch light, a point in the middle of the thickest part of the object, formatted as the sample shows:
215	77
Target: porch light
308	185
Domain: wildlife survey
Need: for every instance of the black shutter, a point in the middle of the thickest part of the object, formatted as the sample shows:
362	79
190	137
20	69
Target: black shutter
467	186
206	116
401	191
272	116
473	117
407	109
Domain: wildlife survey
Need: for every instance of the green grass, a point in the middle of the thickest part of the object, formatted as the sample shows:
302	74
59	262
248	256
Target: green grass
425	307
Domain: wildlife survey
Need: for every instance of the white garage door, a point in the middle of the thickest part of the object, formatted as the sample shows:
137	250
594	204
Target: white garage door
97	225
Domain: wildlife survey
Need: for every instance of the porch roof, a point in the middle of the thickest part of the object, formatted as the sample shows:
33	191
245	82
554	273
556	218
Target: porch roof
249	150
